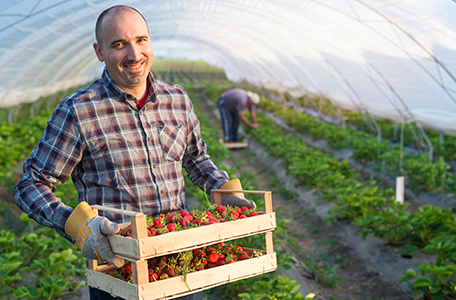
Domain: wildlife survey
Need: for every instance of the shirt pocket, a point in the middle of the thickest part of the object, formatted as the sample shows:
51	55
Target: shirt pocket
172	141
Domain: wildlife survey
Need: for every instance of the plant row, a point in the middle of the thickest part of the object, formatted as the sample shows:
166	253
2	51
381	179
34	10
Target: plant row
373	209
420	172
390	130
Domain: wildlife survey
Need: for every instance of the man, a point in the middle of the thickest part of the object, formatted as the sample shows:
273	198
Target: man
123	140
232	105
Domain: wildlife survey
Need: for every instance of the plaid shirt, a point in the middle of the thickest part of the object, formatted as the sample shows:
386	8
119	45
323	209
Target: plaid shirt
118	154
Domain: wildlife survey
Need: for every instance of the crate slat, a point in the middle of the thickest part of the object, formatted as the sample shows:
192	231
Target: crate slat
179	241
176	287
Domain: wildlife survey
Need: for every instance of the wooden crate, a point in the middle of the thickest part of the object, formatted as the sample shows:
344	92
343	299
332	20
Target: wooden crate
176	286
140	248
234	145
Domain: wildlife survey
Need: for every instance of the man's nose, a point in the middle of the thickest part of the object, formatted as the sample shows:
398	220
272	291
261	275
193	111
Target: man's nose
134	53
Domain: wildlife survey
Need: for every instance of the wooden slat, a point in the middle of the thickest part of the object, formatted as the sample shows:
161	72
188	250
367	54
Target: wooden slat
139	226
140	272
117	211
179	241
176	287
111	285
268	202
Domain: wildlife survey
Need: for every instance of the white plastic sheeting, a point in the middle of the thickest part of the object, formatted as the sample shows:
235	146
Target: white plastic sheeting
392	59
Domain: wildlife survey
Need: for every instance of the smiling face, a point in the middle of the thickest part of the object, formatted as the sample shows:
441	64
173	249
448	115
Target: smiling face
126	49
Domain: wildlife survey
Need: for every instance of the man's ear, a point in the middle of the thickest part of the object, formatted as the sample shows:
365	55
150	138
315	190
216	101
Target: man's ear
98	52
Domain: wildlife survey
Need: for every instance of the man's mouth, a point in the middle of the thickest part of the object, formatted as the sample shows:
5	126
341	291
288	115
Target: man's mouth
134	67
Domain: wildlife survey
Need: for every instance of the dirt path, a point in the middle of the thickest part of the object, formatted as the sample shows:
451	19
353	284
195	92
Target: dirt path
313	241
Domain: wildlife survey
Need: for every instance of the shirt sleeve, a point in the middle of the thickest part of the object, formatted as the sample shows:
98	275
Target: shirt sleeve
50	163
198	164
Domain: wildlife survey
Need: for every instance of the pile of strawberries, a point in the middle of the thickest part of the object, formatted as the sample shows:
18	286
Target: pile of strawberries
189	261
196	218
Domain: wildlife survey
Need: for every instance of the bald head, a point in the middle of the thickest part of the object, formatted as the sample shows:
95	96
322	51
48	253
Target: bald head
112	11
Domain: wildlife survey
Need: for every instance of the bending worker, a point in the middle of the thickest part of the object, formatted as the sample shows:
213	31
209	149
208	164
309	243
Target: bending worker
123	140
232	105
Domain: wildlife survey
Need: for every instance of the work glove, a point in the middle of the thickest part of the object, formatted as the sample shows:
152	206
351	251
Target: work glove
90	233
235	199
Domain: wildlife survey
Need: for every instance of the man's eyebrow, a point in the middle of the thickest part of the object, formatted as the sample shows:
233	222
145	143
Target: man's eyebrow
116	41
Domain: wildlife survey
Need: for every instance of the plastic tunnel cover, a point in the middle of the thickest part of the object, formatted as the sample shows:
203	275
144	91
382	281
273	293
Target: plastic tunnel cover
392	59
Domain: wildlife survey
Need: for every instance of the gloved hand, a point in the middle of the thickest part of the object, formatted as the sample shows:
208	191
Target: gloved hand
89	231
235	199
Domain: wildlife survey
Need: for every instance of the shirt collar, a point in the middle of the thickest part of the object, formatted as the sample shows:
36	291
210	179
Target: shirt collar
112	86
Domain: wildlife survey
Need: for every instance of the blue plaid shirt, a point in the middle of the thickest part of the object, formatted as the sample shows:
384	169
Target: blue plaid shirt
118	154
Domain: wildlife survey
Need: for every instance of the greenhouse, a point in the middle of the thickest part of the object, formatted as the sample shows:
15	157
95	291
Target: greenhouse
342	138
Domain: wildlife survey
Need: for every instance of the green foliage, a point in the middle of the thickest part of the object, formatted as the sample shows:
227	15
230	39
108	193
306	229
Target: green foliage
421	173
278	288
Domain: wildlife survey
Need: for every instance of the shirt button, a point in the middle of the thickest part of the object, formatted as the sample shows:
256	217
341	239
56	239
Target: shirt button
162	191
154	166
148	138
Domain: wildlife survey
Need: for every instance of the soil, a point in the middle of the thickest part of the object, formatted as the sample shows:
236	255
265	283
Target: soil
313	241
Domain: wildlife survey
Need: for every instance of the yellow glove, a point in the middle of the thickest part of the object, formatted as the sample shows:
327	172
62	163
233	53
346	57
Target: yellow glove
89	231
235	199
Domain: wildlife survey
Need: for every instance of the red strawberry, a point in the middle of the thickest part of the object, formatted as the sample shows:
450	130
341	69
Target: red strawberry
220	209
171	273
171	227
183	213
126	270
211	266
244	208
235	214
213	257
153	262
157	222
252	214
198	221
239	210
230	261
153	232
242	217
183	222
244	256
220	262
239	249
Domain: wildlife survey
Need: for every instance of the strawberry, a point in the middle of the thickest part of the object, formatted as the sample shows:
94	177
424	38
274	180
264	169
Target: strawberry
234	213
239	249
183	213
213	257
244	208
242	217
157	222
211	266
171	273
230	261
220	209
126	270
243	256
183	222
153	232
171	227
220	262
239	210
252	214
